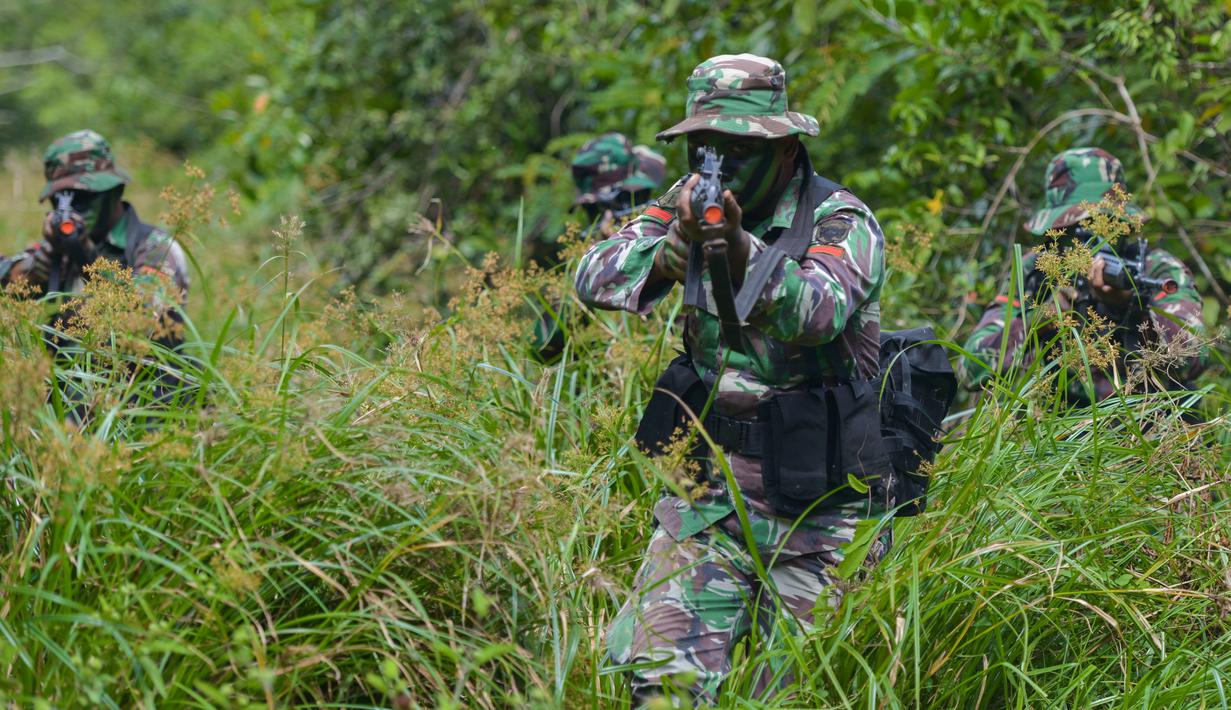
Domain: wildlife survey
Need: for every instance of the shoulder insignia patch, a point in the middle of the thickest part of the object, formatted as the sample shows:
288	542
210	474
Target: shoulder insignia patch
829	249
832	230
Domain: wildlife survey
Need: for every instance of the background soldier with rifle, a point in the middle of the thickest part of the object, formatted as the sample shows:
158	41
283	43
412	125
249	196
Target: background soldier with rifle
90	221
614	180
782	302
1146	294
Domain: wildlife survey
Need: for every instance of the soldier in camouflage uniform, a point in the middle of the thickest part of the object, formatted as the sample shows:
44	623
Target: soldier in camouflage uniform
1076	179
614	179
697	593
82	164
614	176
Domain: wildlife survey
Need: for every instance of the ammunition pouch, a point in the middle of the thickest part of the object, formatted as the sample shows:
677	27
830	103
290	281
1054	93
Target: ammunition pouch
679	396
811	441
819	440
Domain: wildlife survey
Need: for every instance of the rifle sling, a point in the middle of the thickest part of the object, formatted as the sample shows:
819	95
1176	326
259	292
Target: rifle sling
719	265
792	242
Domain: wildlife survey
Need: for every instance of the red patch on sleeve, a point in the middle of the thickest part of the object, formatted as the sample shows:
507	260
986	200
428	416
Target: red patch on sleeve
828	249
659	214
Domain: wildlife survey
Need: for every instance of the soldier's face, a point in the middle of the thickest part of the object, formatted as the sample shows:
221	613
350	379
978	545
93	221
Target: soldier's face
750	166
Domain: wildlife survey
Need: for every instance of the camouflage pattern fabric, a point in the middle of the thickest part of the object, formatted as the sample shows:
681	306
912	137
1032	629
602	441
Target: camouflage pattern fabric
81	161
1171	317
831	295
610	164
1074	177
740	94
694	599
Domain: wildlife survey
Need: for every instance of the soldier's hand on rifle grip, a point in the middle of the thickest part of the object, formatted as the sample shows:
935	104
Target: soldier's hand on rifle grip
56	234
1103	291
691	228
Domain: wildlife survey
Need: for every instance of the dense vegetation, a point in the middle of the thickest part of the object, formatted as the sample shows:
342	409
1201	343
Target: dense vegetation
365	494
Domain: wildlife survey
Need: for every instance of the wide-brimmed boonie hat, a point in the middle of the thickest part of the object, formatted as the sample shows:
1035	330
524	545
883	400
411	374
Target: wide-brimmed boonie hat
610	164
81	161
1077	177
743	95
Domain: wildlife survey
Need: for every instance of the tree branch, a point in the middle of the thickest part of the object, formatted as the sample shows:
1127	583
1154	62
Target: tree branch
43	55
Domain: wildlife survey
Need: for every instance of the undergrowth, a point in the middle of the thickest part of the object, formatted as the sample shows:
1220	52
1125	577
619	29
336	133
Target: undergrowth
365	504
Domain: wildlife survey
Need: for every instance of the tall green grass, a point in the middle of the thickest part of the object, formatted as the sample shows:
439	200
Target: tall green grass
364	505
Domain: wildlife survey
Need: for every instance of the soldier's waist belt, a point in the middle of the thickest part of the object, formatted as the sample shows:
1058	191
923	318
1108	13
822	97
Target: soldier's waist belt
745	437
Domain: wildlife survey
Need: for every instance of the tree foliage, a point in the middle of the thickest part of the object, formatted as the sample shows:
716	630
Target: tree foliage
940	114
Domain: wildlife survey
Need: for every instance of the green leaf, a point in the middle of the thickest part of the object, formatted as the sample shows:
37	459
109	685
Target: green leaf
856	551
493	651
804	15
857	484
480	602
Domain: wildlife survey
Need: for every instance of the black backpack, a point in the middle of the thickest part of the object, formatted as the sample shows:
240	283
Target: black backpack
918	387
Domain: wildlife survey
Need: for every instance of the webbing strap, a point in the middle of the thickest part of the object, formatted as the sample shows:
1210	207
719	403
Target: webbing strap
791	243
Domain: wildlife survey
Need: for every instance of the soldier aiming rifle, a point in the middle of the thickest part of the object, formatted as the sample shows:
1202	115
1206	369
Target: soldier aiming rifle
1147	295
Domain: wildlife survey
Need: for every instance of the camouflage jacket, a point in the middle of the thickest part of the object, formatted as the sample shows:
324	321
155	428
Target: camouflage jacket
831	295
159	265
1170	317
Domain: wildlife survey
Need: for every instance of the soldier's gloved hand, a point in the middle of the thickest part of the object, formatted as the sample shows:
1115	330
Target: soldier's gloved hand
607	225
1101	290
691	228
671	261
731	229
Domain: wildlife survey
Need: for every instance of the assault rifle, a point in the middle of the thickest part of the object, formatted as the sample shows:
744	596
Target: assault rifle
707	206
1127	272
1133	274
66	238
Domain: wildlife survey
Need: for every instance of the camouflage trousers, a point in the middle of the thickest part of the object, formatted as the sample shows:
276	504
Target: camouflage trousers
695	599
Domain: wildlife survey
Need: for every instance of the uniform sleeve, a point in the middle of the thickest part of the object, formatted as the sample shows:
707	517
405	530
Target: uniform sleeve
8	262
615	273
1176	317
988	338
810	301
160	269
6	265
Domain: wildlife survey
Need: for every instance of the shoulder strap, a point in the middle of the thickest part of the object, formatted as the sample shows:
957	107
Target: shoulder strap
793	242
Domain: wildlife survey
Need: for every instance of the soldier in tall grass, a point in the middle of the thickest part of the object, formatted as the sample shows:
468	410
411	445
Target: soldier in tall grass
614	179
123	281
82	165
1088	218
709	579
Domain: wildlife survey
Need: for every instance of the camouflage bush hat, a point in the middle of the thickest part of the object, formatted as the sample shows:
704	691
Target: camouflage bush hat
610	164
1075	176
743	95
81	161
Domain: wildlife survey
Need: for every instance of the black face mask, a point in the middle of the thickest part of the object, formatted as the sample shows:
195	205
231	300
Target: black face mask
104	208
85	201
750	177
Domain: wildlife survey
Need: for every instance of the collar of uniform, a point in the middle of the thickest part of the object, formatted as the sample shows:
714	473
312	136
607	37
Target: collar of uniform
118	236
784	211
